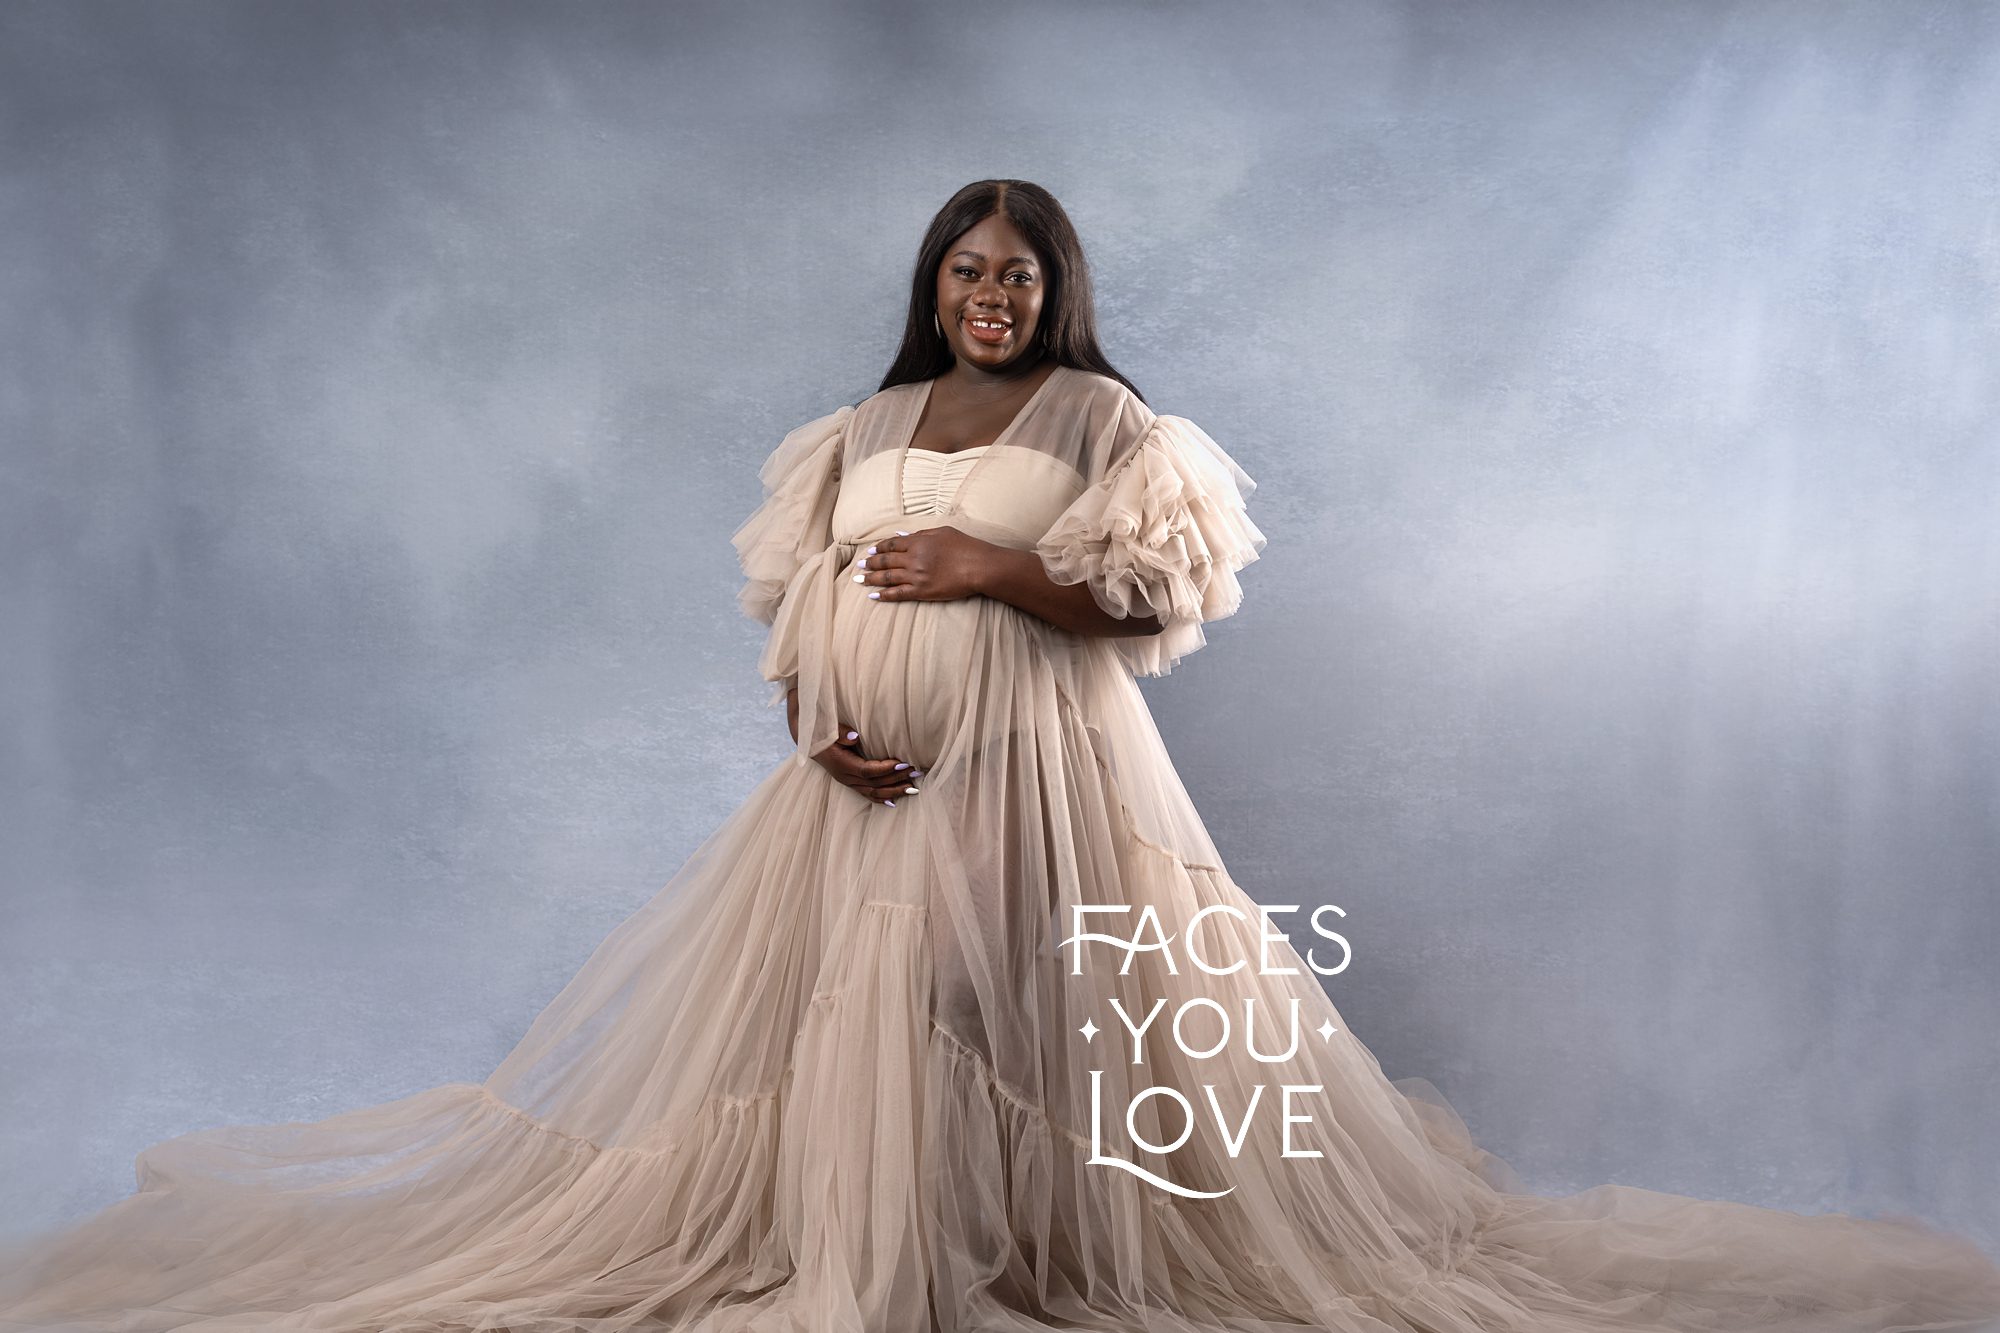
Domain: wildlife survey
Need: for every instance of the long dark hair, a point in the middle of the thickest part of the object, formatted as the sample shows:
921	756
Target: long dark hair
1068	328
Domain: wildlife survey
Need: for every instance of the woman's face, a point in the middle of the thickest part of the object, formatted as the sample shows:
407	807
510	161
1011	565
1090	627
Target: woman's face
991	275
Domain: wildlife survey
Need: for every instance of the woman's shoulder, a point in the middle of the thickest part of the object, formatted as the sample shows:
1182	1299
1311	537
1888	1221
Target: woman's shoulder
1095	381
1107	400
1108	418
885	405
1101	389
890	394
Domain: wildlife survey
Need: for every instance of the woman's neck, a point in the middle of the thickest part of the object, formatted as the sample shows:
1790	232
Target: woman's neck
974	383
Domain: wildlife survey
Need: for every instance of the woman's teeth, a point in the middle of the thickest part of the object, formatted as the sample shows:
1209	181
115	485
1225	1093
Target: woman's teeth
986	332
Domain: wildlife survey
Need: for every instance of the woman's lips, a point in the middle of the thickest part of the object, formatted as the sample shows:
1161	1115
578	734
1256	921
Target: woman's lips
988	335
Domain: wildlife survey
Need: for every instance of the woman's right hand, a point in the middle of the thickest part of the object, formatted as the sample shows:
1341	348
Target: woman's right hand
877	779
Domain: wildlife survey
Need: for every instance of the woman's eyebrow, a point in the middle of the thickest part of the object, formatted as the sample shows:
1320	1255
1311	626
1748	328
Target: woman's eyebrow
974	254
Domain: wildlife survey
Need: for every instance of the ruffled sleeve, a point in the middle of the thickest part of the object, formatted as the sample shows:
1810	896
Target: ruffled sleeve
1163	533
792	526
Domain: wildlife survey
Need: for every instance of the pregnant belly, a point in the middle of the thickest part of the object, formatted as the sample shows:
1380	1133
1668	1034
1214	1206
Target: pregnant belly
903	672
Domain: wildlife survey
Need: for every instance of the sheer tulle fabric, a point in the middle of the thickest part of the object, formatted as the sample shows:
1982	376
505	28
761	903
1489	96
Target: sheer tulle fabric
831	1077
1163	534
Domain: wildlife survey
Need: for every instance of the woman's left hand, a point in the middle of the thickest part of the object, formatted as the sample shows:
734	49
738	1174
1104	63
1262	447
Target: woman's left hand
933	565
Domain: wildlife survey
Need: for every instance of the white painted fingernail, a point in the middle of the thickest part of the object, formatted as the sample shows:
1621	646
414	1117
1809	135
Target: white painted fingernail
874	596
870	551
861	578
910	791
853	735
862	563
890	804
901	533
902	766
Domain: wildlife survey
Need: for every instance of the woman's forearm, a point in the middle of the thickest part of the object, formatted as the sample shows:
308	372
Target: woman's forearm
1019	578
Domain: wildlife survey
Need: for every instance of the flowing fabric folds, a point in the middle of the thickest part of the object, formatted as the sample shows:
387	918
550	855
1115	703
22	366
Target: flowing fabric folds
787	532
1164	533
851	1070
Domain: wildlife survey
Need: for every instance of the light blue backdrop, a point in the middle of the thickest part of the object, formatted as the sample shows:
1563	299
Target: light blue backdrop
381	384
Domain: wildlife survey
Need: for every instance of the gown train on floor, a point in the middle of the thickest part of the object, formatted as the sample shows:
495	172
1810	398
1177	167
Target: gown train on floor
843	1075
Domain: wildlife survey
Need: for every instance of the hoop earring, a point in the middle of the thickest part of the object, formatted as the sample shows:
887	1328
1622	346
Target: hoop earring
934	324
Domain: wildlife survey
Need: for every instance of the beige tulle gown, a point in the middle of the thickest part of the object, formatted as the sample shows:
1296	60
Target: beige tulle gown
842	1074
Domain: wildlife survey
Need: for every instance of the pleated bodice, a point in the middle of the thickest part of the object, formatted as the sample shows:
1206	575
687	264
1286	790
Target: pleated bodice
931	477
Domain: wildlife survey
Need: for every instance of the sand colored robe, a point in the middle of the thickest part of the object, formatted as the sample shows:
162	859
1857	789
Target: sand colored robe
844	1075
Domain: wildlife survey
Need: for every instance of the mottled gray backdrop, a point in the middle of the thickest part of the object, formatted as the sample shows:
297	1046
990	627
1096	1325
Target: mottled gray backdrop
381	383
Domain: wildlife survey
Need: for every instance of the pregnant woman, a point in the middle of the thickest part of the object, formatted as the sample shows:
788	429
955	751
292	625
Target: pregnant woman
958	1022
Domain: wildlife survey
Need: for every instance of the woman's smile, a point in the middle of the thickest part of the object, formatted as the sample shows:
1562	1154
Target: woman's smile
988	330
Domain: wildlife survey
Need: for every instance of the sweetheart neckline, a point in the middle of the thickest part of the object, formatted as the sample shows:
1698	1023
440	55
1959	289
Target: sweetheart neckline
921	399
